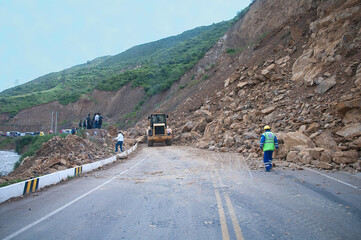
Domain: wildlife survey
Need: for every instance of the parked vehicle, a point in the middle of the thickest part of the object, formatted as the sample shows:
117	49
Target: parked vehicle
67	131
13	134
3	134
39	133
29	133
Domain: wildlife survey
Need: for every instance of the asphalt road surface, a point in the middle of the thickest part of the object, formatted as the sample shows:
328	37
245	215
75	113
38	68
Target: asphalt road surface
186	193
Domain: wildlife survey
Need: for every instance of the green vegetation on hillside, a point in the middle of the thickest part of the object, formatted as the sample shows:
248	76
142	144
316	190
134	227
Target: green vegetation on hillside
154	66
165	62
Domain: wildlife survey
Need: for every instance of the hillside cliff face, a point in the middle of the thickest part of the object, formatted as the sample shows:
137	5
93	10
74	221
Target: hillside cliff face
294	65
112	105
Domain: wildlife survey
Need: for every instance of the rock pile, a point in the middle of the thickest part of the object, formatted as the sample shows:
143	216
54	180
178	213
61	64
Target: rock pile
309	92
63	153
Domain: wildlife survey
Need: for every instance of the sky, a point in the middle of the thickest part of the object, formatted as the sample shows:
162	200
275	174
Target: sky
38	37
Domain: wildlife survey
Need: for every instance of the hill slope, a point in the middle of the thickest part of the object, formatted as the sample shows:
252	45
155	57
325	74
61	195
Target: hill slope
293	65
153	66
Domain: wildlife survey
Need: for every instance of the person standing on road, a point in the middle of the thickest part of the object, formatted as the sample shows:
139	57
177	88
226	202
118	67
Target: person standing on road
96	120
120	139
268	144
100	121
93	122
88	122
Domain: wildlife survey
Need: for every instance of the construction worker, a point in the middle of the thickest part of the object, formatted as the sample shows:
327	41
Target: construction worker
268	144
120	140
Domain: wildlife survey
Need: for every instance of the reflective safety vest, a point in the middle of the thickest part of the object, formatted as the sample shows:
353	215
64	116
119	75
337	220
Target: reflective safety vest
269	143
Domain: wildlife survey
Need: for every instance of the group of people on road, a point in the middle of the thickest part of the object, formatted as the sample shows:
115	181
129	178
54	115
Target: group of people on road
91	123
268	144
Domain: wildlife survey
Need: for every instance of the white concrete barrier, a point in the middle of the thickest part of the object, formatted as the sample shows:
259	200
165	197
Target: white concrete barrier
28	186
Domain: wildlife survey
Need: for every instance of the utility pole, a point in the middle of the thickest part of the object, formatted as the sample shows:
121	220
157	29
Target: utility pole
56	121
52	119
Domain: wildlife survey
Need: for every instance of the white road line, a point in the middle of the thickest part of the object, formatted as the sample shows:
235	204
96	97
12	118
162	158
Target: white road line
345	183
250	174
245	163
70	203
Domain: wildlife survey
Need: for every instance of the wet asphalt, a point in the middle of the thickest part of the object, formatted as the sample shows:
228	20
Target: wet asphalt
186	193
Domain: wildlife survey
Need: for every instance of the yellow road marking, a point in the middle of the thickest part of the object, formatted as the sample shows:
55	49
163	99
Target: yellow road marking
236	227
222	216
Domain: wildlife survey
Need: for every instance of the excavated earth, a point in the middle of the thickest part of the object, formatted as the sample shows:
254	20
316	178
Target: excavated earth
72	151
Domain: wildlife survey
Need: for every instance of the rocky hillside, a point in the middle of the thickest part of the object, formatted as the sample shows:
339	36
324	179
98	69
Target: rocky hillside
62	153
294	65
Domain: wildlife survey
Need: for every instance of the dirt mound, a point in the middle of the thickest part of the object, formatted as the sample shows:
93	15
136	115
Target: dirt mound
59	154
63	153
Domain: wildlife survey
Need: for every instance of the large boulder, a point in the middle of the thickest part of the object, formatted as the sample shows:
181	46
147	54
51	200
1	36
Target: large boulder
326	156
293	156
305	67
324	165
314	127
326	85
352	130
267	71
345	157
268	110
200	125
186	137
228	139
344	107
141	139
187	127
358	77
293	139
352	116
325	140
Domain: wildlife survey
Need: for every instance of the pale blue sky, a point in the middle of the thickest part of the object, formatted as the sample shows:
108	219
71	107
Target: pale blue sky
39	37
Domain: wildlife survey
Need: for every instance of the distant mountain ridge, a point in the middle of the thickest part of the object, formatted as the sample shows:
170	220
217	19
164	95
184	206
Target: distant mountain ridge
154	66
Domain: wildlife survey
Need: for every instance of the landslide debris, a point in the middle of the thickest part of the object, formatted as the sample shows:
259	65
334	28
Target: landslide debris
302	78
62	153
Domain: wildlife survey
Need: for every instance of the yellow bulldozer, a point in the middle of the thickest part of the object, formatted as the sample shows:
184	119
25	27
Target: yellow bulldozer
158	130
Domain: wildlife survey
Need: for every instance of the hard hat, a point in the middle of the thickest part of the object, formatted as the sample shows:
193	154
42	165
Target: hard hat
267	127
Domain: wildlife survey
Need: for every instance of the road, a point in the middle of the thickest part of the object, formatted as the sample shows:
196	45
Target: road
186	193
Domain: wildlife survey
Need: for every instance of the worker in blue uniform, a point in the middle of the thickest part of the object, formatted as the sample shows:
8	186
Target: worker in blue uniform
268	144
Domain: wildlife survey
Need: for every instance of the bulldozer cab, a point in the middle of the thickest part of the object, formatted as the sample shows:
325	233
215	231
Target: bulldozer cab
158	118
158	131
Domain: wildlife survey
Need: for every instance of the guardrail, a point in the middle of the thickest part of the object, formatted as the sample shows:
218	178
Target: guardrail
28	186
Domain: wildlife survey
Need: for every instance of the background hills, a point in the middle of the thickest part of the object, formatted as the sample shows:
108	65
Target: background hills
153	66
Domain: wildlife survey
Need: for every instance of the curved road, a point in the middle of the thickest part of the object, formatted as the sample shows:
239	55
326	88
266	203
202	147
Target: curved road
186	193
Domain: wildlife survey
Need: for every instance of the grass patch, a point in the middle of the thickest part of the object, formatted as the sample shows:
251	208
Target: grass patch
10	182
6	141
233	51
182	86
